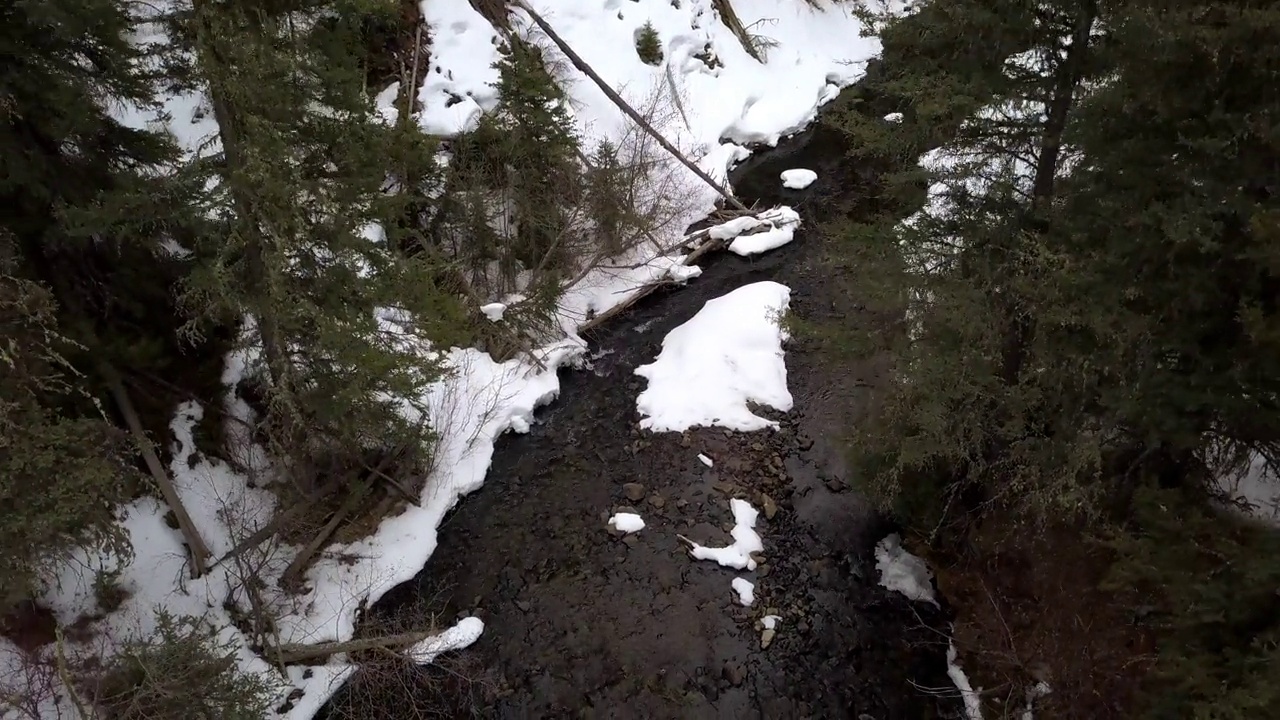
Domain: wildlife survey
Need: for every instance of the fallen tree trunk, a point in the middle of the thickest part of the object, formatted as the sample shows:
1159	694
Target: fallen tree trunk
616	99
297	652
199	551
649	289
278	523
355	496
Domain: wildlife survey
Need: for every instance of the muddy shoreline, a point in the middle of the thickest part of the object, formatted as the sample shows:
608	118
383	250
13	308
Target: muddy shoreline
583	624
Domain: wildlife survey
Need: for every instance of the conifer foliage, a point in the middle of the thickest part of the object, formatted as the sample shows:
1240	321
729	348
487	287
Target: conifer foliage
334	248
78	189
305	239
1086	307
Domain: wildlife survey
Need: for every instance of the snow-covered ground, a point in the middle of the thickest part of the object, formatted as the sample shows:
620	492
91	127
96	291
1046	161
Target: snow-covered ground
711	99
1255	490
902	572
707	89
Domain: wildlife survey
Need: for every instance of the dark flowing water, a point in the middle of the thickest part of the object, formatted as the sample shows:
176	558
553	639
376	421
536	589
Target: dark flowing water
582	624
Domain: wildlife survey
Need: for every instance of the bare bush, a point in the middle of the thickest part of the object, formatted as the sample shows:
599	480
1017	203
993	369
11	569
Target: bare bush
389	683
29	686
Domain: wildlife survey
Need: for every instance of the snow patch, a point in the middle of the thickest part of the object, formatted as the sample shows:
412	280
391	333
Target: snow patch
900	571
893	117
770	622
746	591
1255	491
385	104
493	311
972	702
798	178
706	460
626	522
745	540
605	287
1034	693
728	355
782	225
465	632
460	82
777	228
709	114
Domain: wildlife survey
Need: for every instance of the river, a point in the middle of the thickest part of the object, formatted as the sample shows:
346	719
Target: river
582	624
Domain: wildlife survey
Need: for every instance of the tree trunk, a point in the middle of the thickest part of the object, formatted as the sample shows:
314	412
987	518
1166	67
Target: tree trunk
292	653
273	344
1020	326
199	551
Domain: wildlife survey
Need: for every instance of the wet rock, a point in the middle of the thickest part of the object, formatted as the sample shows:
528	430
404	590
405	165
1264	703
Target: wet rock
734	673
769	506
657	501
766	638
834	485
524	605
633	491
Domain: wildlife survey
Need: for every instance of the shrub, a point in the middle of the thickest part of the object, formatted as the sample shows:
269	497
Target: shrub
1210	586
63	469
184	671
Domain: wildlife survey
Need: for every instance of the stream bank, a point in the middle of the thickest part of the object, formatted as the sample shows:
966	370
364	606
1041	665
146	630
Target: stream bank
581	623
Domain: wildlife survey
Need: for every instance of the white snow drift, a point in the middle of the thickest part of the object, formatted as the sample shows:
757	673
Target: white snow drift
755	234
711	367
625	522
798	178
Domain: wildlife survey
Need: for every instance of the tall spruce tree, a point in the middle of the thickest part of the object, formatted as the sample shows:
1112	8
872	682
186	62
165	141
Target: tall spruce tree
520	186
85	206
309	225
1173	212
984	408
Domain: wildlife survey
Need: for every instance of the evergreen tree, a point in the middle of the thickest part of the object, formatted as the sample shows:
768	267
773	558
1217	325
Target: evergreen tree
85	206
1089	300
523	161
309	227
1174	212
985	407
